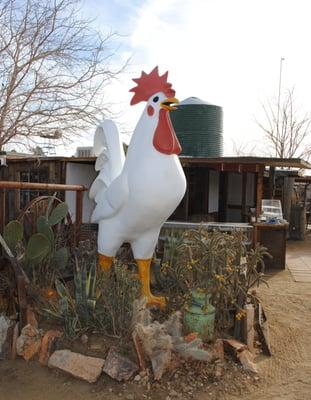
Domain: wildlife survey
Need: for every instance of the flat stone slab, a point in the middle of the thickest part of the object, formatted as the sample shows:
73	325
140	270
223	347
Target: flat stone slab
77	365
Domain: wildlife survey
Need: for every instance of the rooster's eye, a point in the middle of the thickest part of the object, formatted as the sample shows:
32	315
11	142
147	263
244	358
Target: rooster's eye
155	99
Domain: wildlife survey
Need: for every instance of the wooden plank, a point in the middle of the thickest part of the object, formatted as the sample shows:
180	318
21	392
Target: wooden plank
248	326
262	328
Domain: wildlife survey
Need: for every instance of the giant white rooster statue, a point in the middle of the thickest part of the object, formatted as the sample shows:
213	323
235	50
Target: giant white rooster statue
135	195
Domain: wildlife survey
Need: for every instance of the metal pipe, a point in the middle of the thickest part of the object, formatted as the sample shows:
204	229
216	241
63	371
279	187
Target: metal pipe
41	186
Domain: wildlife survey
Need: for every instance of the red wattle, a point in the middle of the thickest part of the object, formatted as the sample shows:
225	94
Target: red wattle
164	138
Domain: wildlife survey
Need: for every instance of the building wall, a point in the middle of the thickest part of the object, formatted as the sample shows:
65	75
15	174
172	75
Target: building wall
235	195
213	194
80	174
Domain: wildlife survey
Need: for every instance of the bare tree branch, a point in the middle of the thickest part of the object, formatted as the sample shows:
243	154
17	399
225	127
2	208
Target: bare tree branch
54	69
289	135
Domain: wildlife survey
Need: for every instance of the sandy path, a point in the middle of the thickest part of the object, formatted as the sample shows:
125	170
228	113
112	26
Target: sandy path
286	375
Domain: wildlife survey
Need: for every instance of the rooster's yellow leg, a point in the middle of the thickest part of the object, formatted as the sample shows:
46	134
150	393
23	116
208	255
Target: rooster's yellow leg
144	275
105	262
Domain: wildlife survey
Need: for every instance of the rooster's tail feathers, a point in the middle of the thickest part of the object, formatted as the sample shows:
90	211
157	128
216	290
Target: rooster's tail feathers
108	148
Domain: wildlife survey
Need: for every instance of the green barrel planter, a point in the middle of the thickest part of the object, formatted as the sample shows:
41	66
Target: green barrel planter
199	128
200	317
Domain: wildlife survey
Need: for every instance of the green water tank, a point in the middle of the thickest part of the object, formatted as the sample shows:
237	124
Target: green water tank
199	128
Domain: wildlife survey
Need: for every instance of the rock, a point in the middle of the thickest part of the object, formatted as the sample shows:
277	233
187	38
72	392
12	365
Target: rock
173	393
160	363
173	325
31	318
218	371
137	378
77	365
143	373
47	345
119	367
139	350
29	342
141	314
157	345
193	351
6	334
84	339
130	396
218	350
247	360
234	346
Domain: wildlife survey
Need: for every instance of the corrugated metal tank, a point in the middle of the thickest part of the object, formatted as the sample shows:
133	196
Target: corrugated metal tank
198	126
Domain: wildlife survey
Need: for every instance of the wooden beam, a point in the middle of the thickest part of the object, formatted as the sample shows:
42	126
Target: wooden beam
259	192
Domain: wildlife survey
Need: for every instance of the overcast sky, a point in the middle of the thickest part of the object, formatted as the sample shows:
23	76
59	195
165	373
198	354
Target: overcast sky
225	52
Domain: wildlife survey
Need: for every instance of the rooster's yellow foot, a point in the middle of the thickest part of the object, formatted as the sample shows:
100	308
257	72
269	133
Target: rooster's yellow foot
104	261
156	301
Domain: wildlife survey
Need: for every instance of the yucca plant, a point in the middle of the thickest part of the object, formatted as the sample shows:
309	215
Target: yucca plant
75	308
85	290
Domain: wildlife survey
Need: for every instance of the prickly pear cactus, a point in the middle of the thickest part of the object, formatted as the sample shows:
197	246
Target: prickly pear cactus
38	247
58	214
13	233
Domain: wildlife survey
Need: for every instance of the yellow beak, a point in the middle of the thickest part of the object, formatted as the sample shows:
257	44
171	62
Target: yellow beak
167	103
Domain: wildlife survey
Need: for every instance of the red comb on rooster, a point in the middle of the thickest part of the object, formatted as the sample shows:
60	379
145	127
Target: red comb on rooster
148	84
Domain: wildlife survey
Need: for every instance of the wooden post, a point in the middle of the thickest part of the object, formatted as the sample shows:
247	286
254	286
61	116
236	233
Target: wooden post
244	188
2	209
187	194
248	326
287	196
271	182
79	215
259	191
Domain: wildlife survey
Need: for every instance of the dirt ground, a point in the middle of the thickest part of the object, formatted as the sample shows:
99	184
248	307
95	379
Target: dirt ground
285	376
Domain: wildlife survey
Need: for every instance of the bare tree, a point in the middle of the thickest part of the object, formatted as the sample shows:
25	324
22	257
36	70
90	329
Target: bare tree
242	149
288	133
53	70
